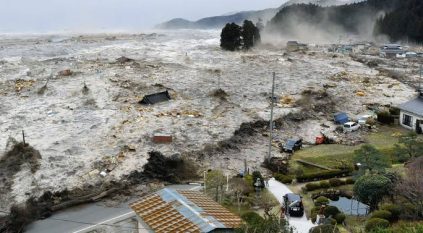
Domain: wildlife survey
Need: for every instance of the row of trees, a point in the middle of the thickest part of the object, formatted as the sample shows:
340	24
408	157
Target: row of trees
235	37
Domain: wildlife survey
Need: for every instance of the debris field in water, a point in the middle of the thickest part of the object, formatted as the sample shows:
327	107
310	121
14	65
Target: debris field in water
82	133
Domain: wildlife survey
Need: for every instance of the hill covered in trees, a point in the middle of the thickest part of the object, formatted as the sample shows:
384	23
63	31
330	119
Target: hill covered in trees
368	18
405	22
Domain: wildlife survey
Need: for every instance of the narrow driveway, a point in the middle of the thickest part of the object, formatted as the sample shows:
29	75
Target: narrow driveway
302	225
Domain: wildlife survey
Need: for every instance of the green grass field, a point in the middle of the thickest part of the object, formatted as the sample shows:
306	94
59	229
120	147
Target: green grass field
333	155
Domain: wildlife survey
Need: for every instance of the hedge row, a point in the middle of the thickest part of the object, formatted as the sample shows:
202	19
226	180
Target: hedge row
334	182
283	178
324	175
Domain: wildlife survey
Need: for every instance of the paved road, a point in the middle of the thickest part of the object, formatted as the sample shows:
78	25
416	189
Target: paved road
302	225
81	218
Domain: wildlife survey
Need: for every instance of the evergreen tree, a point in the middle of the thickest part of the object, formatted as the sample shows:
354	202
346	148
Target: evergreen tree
371	159
370	189
250	35
230	38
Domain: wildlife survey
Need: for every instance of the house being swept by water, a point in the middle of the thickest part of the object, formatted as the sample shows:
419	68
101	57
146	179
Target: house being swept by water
411	115
170	210
294	46
391	50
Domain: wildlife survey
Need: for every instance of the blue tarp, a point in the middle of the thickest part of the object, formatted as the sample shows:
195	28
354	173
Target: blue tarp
340	118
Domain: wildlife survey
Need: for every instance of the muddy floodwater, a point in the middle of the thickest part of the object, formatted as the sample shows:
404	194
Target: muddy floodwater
78	103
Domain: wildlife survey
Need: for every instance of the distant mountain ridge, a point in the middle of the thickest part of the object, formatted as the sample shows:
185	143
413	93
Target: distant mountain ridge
217	22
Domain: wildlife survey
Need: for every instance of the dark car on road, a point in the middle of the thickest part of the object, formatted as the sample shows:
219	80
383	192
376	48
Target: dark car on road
293	205
292	145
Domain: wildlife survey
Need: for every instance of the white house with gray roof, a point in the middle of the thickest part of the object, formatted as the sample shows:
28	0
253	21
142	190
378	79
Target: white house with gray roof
411	116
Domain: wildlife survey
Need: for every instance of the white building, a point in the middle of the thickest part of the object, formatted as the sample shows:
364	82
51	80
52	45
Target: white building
411	116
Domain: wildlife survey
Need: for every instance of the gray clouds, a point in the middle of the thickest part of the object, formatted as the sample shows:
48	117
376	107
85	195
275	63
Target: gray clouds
112	15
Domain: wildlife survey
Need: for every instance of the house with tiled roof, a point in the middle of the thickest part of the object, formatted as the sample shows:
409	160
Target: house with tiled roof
170	210
411	114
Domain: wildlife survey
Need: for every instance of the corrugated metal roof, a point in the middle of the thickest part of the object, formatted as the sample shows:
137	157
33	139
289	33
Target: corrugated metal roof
413	106
169	210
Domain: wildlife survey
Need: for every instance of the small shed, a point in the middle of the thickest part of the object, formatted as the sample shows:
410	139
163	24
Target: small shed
340	118
155	98
411	114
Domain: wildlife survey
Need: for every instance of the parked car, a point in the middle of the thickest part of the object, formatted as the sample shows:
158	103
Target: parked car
293	205
351	126
410	54
362	120
292	145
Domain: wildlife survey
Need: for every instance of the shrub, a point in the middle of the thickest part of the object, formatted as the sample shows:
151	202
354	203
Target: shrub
331	211
324	175
385	117
324	184
313	213
375	223
321	201
383	214
325	229
340	218
394	209
335	182
312	186
257	175
394	111
249	180
408	210
283	178
349	181
252	218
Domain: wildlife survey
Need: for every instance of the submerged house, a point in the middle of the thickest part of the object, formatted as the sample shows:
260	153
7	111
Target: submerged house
155	98
411	114
293	46
170	210
391	50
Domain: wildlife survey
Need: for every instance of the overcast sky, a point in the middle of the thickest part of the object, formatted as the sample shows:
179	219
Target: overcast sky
113	15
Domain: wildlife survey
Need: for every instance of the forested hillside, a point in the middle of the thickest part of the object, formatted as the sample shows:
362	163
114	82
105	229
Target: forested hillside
405	22
398	19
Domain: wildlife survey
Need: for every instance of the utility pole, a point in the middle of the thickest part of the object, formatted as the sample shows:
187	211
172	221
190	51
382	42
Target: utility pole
23	137
227	182
271	117
218	81
205	190
420	79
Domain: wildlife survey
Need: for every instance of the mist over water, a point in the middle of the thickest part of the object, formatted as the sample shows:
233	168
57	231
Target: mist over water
82	16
